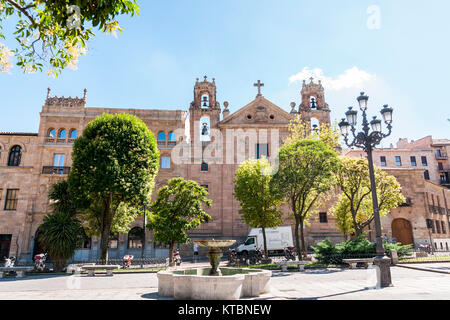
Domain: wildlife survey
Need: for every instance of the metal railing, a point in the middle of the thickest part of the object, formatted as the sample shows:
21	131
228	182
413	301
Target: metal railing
426	255
55	170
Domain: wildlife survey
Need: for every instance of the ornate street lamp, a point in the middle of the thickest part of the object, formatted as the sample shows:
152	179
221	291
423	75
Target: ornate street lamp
367	141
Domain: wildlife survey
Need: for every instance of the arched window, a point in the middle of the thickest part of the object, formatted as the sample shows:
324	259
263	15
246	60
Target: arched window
161	137
113	241
205	133
51	133
62	134
15	155
205	101
171	136
135	238
313	102
73	134
315	125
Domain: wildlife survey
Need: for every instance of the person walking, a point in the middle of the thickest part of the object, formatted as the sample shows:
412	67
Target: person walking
195	252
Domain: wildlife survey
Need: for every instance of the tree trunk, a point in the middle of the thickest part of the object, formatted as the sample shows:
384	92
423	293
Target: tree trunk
302	235
106	230
171	263
297	242
266	253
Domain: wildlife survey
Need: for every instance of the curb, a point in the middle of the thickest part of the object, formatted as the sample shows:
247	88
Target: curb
422	269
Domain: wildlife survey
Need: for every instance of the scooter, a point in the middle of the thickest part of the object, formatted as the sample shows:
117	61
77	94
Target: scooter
39	261
176	257
289	253
126	261
9	262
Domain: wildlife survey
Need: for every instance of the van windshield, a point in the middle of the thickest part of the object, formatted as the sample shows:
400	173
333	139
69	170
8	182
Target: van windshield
250	241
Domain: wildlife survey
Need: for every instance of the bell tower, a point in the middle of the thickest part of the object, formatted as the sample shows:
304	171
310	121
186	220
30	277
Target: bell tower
204	109
313	107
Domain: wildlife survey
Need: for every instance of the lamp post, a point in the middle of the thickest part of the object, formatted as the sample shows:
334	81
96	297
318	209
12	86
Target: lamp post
367	141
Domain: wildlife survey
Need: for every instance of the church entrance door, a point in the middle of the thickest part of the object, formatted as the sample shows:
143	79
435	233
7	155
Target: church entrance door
402	231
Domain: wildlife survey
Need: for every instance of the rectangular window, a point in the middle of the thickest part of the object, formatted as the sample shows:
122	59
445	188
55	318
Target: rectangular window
383	161
433	229
413	161
204	167
262	150
440	166
205	186
443	227
424	161
426	175
58	160
438	226
398	161
11	199
323	218
165	162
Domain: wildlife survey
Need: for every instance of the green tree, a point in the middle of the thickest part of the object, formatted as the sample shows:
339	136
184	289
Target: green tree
178	208
115	163
259	207
55	32
61	232
355	200
305	175
300	130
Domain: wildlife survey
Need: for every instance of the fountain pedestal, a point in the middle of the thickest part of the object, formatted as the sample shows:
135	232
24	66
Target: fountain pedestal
215	255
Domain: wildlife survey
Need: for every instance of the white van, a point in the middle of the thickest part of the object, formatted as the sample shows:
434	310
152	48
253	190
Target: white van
277	239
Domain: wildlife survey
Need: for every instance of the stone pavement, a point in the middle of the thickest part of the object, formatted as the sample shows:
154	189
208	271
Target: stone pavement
341	284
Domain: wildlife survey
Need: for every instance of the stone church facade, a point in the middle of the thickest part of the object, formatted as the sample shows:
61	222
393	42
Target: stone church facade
204	142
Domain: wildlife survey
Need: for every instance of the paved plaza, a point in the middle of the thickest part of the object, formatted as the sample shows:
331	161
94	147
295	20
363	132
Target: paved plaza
336	284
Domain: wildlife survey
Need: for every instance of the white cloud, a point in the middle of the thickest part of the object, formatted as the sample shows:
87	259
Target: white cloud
351	78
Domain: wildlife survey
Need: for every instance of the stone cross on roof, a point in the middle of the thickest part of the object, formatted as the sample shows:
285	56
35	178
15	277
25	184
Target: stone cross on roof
259	85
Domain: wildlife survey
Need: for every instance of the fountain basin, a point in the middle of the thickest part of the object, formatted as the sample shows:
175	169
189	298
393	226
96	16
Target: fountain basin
196	284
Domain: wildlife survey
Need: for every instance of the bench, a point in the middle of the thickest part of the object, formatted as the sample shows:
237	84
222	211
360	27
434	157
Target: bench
19	270
91	269
299	264
354	262
76	268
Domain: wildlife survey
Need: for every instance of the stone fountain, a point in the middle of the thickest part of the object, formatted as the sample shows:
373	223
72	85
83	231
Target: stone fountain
213	283
215	253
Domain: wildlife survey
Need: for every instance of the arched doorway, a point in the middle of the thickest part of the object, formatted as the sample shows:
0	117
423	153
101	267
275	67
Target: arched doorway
402	231
37	248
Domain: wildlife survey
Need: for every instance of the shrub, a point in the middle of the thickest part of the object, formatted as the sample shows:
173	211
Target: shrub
359	247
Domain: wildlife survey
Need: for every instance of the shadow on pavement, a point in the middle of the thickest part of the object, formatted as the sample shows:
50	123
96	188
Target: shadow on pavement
331	295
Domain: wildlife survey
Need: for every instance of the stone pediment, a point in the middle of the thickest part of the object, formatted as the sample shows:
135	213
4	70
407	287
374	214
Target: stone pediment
258	112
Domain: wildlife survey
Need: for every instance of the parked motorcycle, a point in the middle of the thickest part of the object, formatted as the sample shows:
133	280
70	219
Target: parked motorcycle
39	261
126	261
256	256
177	257
289	253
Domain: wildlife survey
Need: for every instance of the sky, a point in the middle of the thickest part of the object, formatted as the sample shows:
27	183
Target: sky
395	51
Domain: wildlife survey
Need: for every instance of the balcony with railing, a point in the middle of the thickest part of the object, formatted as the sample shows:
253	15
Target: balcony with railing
441	155
55	170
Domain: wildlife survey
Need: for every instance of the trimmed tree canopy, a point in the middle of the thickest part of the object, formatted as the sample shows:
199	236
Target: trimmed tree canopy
178	208
115	163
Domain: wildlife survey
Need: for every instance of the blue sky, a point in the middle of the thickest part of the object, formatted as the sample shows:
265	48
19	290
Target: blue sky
395	51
